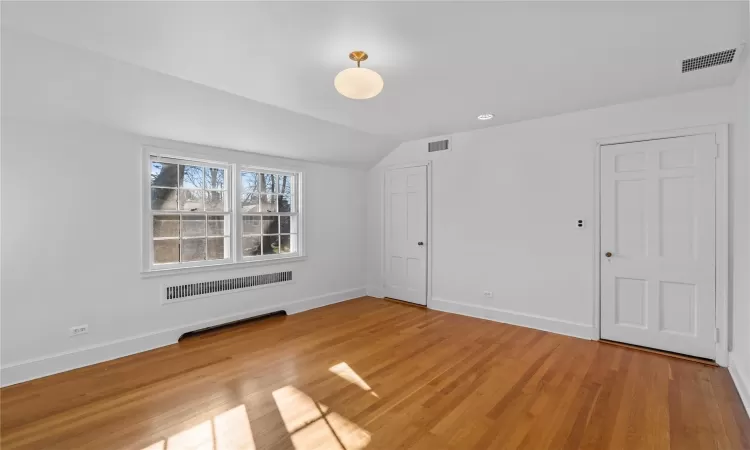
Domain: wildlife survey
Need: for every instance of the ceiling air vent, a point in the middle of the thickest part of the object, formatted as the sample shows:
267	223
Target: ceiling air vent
439	146
710	60
190	291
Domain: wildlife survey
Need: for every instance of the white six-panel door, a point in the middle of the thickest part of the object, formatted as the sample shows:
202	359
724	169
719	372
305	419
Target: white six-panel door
658	244
406	234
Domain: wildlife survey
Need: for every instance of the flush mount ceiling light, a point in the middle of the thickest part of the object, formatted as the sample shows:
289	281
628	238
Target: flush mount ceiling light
357	82
485	116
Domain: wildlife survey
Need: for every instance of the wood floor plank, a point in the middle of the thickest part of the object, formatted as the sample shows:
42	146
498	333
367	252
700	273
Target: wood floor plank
375	374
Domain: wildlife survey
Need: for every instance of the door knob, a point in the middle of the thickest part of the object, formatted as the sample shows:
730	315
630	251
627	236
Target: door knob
608	254
420	243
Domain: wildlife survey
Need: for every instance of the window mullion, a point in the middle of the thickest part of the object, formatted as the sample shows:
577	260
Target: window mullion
205	222
236	214
179	241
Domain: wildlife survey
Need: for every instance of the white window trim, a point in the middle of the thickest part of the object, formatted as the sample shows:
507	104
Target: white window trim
234	164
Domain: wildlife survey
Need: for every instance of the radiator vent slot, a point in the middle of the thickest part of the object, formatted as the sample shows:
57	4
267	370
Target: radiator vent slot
439	146
710	60
206	288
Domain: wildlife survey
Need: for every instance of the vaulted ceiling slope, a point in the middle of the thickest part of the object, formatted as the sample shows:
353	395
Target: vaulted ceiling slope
443	62
42	79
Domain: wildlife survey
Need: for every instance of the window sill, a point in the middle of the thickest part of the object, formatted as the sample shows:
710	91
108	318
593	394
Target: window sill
220	266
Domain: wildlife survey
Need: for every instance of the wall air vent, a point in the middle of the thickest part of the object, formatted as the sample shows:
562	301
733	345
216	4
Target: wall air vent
439	146
711	60
190	291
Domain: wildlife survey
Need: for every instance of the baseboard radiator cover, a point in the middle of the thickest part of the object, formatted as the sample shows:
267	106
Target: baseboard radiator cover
190	291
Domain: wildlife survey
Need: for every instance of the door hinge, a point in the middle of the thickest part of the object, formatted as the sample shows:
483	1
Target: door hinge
718	335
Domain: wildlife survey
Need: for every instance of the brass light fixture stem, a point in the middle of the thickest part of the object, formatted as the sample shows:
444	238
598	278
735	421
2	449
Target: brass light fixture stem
358	56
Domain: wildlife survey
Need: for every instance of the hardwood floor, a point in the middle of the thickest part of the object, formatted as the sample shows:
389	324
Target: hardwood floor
376	374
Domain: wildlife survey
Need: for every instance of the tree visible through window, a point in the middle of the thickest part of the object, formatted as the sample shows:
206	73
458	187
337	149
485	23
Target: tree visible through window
196	206
269	215
190	210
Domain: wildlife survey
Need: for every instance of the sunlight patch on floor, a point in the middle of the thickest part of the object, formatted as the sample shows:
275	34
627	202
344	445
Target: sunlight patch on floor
312	425
229	430
347	373
297	409
199	437
232	430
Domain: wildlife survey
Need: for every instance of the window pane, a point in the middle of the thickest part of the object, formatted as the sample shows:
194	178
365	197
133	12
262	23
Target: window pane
163	199
193	250
267	182
270	224
218	226
215	201
191	177
251	246
285	203
286	224
166	251
191	200
214	178
166	226
250	224
250	202
288	243
163	174
249	181
268	203
217	247
193	226
286	184
270	245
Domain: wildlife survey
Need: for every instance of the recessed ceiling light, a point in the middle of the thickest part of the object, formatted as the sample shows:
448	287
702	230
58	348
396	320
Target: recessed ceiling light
485	116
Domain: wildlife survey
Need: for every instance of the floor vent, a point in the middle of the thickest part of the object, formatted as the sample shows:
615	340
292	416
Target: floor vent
205	288
439	146
710	60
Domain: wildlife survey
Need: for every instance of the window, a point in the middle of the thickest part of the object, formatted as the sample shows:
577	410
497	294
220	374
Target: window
269	213
195	207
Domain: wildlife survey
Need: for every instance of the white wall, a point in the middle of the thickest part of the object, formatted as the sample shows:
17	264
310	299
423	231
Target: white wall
740	356
71	249
505	204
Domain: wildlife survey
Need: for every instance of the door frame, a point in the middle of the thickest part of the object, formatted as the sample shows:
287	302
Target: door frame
720	132
428	166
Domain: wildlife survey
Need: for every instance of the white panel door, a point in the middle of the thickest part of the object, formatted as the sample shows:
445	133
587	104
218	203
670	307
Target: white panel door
406	234
658	220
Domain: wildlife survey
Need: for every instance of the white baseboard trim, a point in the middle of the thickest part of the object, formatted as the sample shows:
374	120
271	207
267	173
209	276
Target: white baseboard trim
741	381
558	326
74	359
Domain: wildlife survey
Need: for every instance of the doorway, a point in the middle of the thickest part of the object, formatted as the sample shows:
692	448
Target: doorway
406	238
660	249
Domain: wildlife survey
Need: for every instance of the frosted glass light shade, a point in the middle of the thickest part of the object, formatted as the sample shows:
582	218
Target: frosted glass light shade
358	83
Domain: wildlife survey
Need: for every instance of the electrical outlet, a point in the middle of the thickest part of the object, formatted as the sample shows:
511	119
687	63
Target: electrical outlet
80	329
488	294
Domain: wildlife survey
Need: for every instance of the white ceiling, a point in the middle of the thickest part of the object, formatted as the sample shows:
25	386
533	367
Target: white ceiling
443	62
